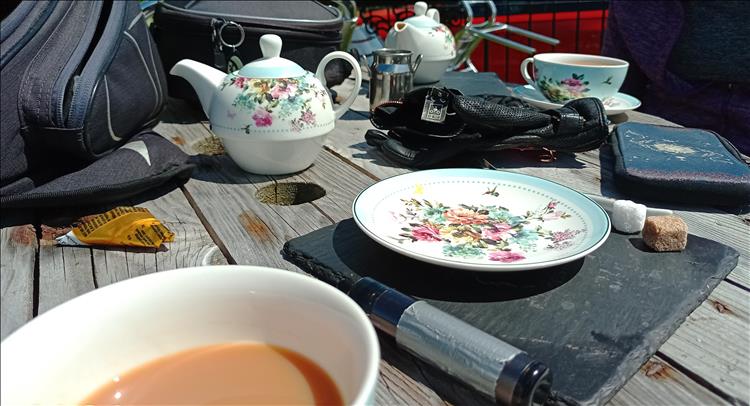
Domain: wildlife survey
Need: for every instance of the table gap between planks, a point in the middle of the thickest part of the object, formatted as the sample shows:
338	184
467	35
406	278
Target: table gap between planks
217	219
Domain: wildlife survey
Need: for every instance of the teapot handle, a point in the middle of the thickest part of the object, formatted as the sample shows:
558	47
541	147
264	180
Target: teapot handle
320	74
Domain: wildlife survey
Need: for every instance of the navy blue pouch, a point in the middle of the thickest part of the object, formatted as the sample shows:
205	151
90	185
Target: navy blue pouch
683	165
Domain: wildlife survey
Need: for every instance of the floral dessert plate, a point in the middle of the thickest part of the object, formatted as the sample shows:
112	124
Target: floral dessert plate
481	219
619	103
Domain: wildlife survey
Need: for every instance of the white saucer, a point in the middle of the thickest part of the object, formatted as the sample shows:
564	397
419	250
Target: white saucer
481	220
619	103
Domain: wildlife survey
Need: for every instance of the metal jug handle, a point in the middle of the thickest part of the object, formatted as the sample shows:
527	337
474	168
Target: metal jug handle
362	59
359	57
416	63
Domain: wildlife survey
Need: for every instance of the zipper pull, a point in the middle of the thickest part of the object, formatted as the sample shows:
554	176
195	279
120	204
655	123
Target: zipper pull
220	60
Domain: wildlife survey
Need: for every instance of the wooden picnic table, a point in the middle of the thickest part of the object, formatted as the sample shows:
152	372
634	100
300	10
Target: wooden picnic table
217	219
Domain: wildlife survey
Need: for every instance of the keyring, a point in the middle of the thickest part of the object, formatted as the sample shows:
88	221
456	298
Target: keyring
239	27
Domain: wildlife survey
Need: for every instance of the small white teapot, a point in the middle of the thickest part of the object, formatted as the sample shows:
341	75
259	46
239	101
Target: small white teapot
271	115
423	34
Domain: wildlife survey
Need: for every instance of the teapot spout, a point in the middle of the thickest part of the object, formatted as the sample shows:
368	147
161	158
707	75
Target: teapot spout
204	79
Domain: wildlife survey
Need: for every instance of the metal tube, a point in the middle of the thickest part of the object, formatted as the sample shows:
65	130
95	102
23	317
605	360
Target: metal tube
503	41
533	35
491	366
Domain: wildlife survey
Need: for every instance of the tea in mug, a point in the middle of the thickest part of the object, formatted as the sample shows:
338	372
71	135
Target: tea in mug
231	373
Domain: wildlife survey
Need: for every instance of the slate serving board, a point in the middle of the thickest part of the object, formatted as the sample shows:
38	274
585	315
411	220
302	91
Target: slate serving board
593	321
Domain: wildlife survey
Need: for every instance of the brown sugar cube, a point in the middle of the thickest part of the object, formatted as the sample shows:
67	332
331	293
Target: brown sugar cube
665	233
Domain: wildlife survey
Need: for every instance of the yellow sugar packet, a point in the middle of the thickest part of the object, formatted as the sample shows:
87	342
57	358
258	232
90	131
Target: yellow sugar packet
121	226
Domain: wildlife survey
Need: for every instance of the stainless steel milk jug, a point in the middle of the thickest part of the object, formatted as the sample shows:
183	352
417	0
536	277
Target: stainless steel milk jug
391	75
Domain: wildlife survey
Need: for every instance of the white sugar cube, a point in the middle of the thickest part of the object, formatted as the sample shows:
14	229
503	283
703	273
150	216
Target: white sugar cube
628	216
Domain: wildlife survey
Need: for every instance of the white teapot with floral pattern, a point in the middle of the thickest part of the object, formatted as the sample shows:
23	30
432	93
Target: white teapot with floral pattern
271	115
423	34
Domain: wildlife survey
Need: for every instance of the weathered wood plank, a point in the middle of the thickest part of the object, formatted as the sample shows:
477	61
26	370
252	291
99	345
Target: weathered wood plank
192	246
64	273
348	141
714	341
397	388
657	383
252	231
341	185
727	229
18	248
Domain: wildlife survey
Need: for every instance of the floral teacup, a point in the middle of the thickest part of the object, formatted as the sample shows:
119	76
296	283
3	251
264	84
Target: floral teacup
562	77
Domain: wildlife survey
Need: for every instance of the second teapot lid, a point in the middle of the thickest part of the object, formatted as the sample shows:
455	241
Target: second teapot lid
420	19
271	65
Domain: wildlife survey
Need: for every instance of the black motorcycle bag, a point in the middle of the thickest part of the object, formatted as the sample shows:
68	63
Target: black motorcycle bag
225	34
79	77
79	80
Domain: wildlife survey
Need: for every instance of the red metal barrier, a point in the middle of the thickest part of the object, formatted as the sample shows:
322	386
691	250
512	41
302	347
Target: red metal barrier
578	32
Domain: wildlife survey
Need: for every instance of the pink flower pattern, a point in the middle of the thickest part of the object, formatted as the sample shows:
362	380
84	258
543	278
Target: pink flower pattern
497	231
426	233
308	117
270	99
505	256
283	89
490	232
240	81
563	90
262	118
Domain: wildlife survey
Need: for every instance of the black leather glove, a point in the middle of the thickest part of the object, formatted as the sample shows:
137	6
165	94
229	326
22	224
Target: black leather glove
579	125
481	124
407	148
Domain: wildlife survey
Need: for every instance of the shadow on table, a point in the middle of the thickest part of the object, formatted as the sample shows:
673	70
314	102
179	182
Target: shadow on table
222	169
355	115
512	159
372	155
507	159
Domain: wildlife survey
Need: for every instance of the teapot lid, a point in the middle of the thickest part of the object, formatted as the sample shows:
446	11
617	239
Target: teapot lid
420	19
271	65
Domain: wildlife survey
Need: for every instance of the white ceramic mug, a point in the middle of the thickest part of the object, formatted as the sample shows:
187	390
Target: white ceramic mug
561	77
67	353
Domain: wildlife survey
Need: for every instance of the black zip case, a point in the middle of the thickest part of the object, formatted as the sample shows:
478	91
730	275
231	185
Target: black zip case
225	34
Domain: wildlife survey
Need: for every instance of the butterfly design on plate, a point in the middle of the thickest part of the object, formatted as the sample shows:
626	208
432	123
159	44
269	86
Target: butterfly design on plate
492	192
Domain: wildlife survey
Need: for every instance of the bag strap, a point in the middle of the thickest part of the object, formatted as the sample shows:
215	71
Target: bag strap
146	162
45	81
